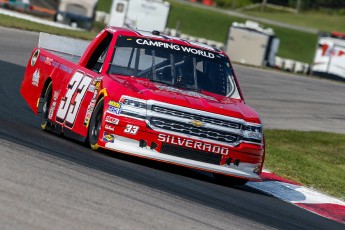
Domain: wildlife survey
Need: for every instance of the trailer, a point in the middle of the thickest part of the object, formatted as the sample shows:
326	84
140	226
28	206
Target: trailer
329	59
251	44
77	13
146	15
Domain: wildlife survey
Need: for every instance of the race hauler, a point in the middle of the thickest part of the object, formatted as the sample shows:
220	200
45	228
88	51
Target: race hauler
146	15
329	60
251	44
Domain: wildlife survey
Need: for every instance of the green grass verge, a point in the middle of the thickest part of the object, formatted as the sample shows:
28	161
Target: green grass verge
315	159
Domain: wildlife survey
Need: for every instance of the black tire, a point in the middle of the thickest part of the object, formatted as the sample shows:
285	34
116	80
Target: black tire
45	102
227	180
95	125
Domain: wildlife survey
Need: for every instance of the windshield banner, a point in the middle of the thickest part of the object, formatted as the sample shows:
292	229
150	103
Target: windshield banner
165	45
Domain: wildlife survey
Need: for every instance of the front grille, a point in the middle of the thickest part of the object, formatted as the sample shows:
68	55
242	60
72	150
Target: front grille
194	131
183	114
191	154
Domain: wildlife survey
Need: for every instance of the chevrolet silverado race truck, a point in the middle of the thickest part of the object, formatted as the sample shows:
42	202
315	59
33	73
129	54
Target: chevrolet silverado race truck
148	95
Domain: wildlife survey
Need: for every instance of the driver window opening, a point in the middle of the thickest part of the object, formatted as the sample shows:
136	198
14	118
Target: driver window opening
96	60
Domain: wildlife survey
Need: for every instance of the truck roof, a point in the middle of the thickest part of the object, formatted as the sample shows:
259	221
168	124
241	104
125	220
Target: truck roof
161	37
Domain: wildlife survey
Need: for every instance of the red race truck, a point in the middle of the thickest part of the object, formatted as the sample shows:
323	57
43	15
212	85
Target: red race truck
147	95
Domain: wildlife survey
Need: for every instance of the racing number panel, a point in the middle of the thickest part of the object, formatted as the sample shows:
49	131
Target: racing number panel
71	102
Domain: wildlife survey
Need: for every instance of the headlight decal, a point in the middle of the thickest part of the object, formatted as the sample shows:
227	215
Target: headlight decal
252	133
133	107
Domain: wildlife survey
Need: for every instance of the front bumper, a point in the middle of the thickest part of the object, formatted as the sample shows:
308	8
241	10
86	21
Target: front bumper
132	147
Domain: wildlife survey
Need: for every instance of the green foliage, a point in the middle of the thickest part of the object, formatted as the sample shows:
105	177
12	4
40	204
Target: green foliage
233	3
316	159
104	5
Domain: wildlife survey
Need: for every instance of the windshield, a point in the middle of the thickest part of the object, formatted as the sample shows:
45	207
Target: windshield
175	65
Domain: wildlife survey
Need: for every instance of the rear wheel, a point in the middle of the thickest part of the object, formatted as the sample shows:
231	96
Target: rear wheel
95	125
227	180
45	105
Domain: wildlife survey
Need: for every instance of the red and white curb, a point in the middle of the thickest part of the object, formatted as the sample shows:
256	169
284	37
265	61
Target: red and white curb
301	196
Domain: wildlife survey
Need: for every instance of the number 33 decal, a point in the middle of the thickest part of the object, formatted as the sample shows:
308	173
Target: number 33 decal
69	105
131	129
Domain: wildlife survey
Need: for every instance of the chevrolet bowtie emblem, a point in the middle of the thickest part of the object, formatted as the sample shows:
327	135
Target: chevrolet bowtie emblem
197	123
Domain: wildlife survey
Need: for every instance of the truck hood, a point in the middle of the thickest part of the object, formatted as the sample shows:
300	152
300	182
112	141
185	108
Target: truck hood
205	101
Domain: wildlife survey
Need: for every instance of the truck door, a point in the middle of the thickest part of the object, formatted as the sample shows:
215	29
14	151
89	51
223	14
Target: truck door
118	13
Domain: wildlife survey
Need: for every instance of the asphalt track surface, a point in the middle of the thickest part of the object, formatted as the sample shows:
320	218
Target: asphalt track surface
50	182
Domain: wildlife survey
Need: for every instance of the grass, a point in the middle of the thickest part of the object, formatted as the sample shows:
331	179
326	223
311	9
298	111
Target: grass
315	159
321	21
104	5
295	45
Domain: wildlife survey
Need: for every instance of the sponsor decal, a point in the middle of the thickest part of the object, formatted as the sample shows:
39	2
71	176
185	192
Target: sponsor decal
56	95
114	107
91	88
131	129
65	68
36	77
185	92
109	128
90	108
96	84
46	60
35	57
107	137
52	62
165	45
193	144
97	79
52	107
111	120
51	110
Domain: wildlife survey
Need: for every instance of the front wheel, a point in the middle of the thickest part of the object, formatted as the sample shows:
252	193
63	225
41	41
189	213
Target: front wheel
95	125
